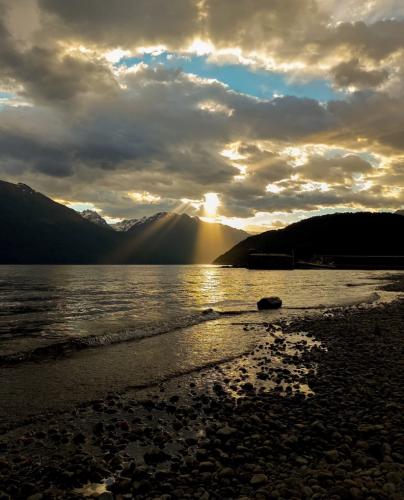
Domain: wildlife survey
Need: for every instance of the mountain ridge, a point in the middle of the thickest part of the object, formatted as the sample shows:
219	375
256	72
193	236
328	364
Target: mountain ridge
353	233
35	229
94	217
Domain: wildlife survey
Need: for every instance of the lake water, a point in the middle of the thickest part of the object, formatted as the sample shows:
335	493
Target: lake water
99	305
69	333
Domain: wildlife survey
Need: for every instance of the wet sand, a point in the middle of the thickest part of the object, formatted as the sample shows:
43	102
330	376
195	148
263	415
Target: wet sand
315	411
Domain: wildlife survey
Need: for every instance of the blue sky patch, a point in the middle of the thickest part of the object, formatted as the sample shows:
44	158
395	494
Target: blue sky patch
259	83
6	95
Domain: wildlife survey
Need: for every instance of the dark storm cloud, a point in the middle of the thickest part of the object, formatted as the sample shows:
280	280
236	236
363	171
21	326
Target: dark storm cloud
48	74
284	118
334	170
33	154
124	23
375	118
376	41
262	24
350	73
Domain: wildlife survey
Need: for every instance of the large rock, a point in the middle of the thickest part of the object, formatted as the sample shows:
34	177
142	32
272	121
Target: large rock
269	303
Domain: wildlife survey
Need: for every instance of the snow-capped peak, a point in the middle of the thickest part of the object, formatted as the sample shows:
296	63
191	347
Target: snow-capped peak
94	217
145	220
124	225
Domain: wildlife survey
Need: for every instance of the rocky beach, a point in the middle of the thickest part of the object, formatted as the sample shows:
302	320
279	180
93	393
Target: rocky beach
314	411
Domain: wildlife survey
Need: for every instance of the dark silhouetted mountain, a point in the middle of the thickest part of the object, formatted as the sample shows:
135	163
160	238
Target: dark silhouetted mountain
36	230
336	234
95	217
400	212
170	238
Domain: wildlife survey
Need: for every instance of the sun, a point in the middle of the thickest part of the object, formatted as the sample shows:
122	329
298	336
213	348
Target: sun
211	204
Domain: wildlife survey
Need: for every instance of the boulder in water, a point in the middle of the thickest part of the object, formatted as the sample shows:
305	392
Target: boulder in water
208	311
269	303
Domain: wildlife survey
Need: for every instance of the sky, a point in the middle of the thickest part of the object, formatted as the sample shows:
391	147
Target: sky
255	113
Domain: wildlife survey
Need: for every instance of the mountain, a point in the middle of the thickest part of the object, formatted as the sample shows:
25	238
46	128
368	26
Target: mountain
36	230
170	238
399	212
361	233
127	224
124	224
132	223
95	217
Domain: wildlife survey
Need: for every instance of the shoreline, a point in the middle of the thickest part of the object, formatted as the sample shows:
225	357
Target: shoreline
324	422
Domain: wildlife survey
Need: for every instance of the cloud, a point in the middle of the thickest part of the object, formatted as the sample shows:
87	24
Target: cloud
125	23
294	199
392	175
152	135
261	25
369	119
48	73
311	38
145	137
351	74
303	38
375	41
339	170
95	132
368	11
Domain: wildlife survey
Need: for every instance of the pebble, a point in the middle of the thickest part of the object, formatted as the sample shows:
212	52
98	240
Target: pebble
207	467
106	495
258	479
226	431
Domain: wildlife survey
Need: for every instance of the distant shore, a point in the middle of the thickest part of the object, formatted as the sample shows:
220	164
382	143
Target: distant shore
315	411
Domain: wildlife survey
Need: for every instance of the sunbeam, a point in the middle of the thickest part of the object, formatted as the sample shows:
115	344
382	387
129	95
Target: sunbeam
211	204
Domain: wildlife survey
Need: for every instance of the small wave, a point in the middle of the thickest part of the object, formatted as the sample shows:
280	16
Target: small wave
65	347
364	299
148	330
136	333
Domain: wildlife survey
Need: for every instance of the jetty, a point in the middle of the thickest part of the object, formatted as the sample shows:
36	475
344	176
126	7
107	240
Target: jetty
287	261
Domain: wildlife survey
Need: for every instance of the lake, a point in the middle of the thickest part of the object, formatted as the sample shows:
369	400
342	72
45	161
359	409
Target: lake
145	323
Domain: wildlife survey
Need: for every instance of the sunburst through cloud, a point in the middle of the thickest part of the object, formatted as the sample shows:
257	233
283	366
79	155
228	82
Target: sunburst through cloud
211	204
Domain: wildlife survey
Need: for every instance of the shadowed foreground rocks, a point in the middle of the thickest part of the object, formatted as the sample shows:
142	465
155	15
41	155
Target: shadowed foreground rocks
344	441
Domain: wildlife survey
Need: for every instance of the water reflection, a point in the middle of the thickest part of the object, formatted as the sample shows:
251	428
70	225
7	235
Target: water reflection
42	303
